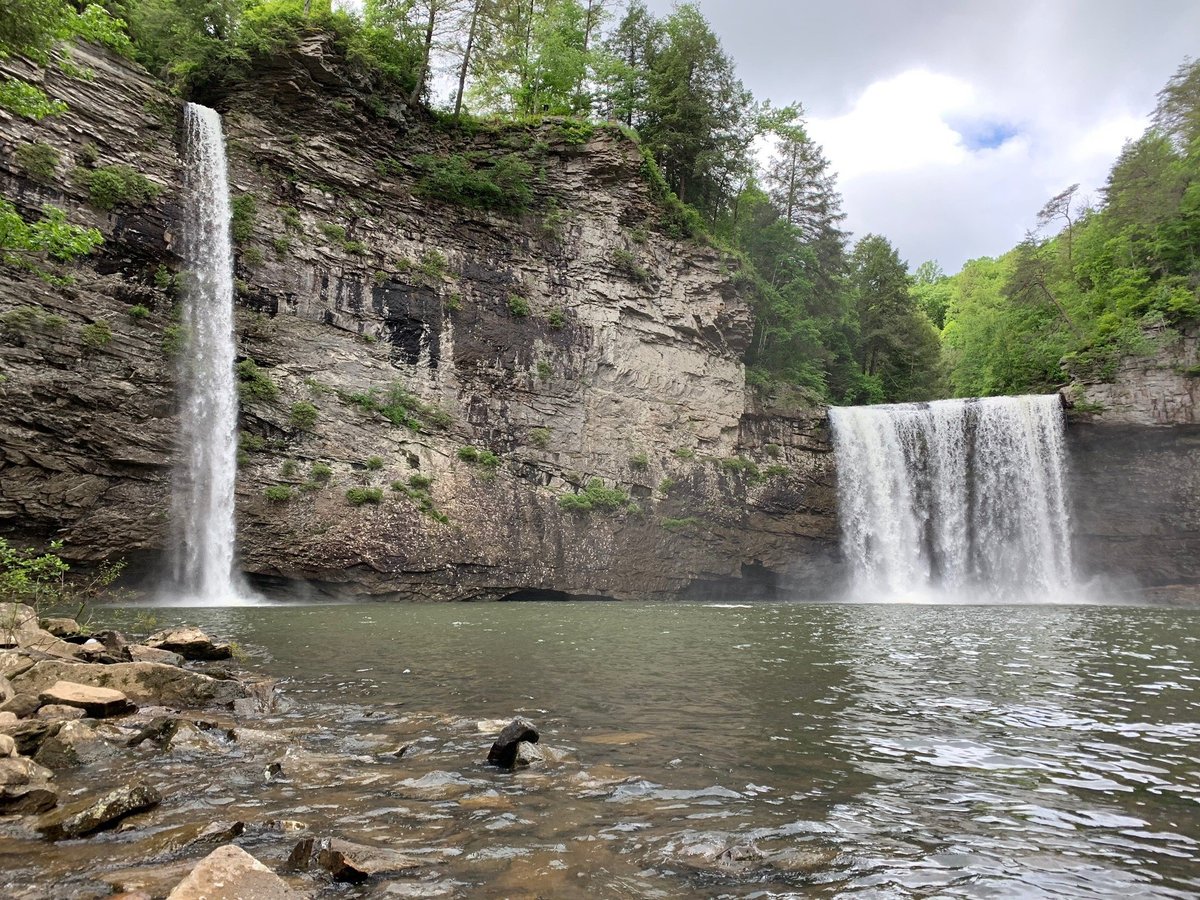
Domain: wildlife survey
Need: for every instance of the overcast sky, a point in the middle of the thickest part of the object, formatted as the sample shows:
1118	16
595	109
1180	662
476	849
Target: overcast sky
950	122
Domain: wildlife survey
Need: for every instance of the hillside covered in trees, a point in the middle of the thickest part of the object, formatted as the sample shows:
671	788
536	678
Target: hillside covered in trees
833	320
1096	280
842	321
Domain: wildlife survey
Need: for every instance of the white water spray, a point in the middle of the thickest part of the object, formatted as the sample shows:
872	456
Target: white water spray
202	506
963	499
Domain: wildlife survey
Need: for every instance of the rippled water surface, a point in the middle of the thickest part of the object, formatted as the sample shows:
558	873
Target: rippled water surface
736	750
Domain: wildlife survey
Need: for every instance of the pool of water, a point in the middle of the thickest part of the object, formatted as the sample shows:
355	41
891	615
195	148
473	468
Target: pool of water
737	750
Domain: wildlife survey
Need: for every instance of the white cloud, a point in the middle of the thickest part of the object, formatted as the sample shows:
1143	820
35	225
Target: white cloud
896	125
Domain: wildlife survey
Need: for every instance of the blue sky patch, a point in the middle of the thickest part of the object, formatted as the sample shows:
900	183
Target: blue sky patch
986	135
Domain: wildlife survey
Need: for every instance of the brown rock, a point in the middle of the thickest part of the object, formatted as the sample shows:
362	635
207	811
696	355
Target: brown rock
8	747
350	862
142	653
58	713
190	643
141	682
61	628
19	771
30	733
26	800
75	744
230	873
21	705
96	701
97	813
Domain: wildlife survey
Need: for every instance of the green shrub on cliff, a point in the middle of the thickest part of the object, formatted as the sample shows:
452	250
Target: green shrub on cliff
254	383
303	415
40	161
22	243
96	335
243	214
594	497
111	186
357	496
477	180
278	493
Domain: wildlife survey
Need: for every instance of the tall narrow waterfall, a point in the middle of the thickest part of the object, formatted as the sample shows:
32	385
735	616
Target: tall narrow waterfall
202	504
960	498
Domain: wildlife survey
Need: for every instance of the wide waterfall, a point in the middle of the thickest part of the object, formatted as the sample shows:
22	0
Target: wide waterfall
957	499
202	504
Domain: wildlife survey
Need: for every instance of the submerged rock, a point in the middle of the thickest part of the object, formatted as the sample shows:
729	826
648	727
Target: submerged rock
350	862
141	682
95	701
95	814
190	643
158	730
504	750
230	873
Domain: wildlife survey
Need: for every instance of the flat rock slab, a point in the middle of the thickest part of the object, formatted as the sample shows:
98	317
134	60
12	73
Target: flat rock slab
349	862
96	701
142	682
95	814
190	643
230	873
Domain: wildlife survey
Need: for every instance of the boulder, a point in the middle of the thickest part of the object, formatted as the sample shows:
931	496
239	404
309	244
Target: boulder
6	690
350	862
98	702
8	747
17	770
504	750
142	653
6	719
22	705
19	628
13	663
30	733
190	643
230	873
27	800
75	744
59	713
97	813
141	682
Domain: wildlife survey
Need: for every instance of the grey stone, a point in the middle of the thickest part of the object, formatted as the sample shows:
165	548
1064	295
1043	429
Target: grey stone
190	643
98	813
141	682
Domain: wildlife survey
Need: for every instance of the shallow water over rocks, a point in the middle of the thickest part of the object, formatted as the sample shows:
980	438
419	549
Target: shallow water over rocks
766	750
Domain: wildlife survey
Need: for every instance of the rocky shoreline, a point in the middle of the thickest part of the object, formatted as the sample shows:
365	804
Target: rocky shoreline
139	770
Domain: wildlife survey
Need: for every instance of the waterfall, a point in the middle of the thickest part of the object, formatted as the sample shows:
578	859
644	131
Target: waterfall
202	505
964	499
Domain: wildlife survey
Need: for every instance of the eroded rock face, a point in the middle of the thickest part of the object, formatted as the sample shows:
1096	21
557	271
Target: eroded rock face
627	367
1135	473
97	813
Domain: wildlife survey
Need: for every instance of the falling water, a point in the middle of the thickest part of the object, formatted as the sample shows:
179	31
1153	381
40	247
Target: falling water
202	504
964	499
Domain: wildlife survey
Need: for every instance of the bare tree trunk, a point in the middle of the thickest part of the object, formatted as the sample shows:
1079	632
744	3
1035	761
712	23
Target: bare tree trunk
419	89
466	63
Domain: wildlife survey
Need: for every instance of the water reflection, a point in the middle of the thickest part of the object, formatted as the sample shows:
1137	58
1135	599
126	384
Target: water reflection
766	750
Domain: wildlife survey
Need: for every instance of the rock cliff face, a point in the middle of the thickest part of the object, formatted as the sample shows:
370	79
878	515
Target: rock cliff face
577	342
1135	454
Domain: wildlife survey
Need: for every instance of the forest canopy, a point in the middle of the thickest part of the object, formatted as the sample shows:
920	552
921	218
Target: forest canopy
841	322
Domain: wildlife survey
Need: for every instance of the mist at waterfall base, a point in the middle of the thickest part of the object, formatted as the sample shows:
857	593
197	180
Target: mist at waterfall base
203	529
955	501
